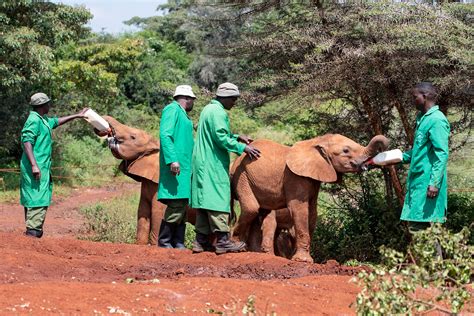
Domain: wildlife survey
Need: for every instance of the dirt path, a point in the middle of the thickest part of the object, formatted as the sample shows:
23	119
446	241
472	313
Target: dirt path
63	218
64	275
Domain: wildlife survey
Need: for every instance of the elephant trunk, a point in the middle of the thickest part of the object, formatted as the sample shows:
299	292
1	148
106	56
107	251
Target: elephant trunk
377	144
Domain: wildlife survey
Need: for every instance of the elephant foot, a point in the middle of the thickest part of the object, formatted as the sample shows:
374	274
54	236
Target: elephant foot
141	242
269	250
302	256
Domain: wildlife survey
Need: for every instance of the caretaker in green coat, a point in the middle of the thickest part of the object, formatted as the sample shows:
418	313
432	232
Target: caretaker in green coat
176	150
36	186
210	182
427	184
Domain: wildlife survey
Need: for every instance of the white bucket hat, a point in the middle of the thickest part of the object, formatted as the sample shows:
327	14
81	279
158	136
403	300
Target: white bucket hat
184	90
227	90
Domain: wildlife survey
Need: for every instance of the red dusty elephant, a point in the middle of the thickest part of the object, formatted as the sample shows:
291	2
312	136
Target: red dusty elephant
139	153
290	177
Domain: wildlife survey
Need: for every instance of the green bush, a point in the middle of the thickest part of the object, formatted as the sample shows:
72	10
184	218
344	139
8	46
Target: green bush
112	221
460	213
83	161
399	287
358	222
189	236
362	218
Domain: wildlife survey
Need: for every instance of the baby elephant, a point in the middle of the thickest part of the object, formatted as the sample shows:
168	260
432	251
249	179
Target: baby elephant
290	177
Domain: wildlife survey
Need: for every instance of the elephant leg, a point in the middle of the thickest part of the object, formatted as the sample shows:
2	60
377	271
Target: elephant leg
249	211
299	210
269	226
144	217
157	212
313	211
254	239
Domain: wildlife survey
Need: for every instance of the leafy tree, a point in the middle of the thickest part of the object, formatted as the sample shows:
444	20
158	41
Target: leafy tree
192	27
366	55
30	32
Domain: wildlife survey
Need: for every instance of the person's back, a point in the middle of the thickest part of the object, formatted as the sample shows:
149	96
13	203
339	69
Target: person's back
212	116
210	182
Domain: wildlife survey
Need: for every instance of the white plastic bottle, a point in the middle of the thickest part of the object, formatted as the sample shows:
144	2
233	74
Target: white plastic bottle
96	120
386	158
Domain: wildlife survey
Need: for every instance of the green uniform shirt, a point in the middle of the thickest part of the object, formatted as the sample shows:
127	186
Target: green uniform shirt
210	182
37	131
428	160
176	145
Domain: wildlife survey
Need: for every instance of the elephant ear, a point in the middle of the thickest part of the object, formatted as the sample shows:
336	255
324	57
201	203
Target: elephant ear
309	159
146	167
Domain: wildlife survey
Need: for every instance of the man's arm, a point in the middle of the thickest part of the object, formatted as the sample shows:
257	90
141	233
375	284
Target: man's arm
222	136
167	126
439	137
29	133
230	142
407	156
65	119
31	157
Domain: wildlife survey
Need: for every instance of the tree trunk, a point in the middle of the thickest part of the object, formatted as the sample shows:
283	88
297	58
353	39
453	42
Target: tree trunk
404	118
376	124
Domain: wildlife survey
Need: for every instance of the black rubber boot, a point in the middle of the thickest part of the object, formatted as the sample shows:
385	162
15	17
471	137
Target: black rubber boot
34	233
202	243
225	245
178	238
166	235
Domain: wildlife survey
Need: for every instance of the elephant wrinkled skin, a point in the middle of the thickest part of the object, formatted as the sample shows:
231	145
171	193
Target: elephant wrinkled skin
290	177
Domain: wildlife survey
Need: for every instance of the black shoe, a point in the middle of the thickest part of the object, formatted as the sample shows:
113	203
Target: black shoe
224	244
34	233
202	243
166	234
178	238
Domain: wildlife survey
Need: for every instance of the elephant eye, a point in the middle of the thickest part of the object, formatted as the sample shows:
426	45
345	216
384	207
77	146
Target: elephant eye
132	136
346	150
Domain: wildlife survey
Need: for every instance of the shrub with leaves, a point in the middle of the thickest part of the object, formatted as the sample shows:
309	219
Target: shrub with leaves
420	280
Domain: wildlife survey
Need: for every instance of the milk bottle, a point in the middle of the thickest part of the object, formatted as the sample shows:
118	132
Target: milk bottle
96	120
386	158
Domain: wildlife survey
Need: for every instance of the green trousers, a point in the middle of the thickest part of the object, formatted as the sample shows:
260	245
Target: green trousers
175	212
208	221
415	227
35	216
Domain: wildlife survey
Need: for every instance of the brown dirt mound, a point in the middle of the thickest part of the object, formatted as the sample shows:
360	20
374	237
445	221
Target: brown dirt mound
61	274
70	276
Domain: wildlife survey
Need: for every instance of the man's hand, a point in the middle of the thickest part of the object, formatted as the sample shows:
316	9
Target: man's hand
175	168
252	152
432	192
107	132
82	112
245	139
36	172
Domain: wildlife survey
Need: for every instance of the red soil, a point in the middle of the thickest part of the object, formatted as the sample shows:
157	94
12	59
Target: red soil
61	274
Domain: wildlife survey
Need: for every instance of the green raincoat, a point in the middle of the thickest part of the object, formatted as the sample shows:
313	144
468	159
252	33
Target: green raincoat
176	145
210	182
37	131
428	160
